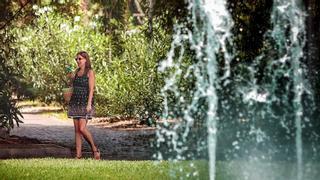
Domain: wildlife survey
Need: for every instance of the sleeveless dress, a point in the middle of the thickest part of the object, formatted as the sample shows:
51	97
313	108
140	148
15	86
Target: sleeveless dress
79	99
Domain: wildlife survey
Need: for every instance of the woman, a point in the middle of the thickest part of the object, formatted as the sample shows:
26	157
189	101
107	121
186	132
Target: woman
81	103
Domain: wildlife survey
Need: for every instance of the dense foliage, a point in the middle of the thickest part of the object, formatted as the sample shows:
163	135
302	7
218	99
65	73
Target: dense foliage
47	47
9	80
127	82
125	39
132	83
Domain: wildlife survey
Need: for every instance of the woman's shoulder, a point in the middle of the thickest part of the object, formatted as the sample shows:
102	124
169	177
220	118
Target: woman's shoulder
90	72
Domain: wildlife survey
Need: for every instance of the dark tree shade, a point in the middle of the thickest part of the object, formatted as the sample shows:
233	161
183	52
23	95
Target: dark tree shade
252	20
312	51
313	45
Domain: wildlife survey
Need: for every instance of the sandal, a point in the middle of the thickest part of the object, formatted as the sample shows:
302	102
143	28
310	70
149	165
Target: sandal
78	157
96	154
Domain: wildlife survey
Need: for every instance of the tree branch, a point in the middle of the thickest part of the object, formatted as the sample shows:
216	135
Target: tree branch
150	16
15	15
140	13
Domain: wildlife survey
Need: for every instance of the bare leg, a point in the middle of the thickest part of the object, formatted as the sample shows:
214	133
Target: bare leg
78	138
88	136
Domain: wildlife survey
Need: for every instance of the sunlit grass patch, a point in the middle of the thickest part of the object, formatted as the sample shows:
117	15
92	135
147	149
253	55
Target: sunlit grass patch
37	107
81	169
35	103
59	115
30	103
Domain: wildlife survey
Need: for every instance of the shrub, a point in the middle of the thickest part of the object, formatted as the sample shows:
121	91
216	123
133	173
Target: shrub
48	46
127	83
9	114
132	85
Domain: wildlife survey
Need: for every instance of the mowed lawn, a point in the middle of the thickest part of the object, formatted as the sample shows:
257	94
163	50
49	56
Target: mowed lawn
50	168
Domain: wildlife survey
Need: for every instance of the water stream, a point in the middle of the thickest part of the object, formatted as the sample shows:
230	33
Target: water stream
249	112
289	16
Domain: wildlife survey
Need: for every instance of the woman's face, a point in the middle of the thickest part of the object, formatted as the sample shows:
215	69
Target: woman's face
81	61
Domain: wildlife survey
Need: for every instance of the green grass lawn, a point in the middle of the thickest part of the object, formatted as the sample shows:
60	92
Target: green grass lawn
50	168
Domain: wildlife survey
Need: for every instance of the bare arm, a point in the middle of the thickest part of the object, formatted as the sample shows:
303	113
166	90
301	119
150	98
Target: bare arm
91	86
71	77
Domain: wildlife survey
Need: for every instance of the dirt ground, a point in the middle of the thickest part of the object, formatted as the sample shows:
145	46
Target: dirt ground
117	138
19	140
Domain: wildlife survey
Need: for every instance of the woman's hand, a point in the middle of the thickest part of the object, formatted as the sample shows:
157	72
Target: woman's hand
88	108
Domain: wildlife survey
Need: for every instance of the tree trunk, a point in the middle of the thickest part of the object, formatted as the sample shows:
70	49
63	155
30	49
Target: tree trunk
150	16
84	6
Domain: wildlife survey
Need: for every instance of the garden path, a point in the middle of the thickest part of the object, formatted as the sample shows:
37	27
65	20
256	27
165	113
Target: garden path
114	143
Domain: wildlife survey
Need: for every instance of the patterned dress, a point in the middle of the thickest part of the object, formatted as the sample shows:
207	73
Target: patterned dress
79	99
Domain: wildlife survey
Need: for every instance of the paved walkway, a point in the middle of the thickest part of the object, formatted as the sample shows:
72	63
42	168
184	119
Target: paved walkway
113	144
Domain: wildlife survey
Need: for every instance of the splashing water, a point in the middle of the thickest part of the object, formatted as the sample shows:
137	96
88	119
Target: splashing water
288	15
209	36
259	110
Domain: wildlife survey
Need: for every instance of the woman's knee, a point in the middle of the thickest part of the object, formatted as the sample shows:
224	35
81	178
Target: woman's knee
82	129
82	126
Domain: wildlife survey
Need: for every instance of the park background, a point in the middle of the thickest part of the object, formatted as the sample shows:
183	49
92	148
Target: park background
126	41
